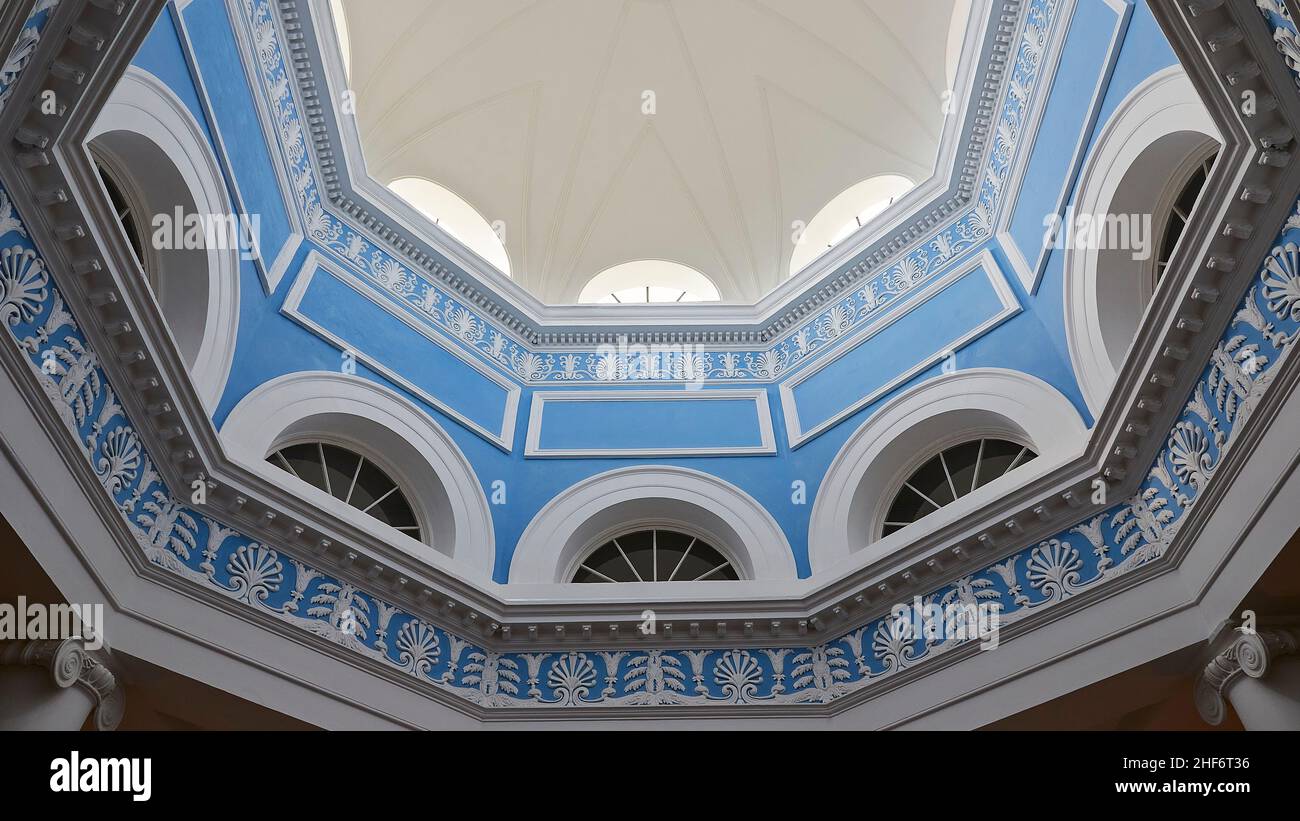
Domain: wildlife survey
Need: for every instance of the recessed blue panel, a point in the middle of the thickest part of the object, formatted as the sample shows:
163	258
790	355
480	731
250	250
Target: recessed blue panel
969	304
215	54
1078	88
595	423
382	340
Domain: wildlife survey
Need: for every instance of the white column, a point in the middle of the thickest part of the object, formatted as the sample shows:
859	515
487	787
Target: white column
1259	672
55	685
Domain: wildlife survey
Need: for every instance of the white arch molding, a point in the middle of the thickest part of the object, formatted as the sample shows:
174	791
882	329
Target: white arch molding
858	487
385	427
637	497
1142	157
159	152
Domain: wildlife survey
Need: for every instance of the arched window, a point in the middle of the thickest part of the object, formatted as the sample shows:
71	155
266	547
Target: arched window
863	500
845	215
648	280
450	212
655	555
162	180
673	505
1151	158
392	432
951	474
1175	220
351	477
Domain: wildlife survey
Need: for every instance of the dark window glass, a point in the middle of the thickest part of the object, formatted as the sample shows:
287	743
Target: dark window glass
654	556
950	475
351	477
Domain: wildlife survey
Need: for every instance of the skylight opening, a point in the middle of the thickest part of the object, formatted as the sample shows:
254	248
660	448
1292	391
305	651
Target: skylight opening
845	215
648	281
457	217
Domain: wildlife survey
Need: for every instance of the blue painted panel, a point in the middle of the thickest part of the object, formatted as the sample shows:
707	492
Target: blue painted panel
378	336
651	424
1145	52
1085	60
218	62
933	325
162	55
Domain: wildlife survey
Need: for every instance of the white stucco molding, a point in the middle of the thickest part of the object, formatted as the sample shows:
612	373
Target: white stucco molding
143	107
937	413
502	436
941	342
1164	105
570	522
382	425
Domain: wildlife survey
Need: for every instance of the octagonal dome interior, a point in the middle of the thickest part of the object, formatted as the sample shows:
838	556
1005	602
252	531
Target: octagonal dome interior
588	134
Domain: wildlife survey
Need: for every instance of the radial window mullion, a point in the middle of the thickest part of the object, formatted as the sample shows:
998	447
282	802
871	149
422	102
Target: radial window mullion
374	484
324	468
979	459
678	566
621	552
655	549
654	555
595	572
947	474
361	460
279	455
390	492
708	573
912	488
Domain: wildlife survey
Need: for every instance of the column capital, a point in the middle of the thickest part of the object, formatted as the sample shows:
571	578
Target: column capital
71	664
1249	653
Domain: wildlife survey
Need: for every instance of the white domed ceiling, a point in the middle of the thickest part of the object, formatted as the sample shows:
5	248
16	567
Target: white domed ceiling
704	133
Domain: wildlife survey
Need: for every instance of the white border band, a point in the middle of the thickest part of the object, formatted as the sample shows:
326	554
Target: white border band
1010	307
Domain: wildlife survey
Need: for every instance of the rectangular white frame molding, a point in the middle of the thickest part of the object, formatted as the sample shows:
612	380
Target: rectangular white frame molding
502	438
758	396
984	262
